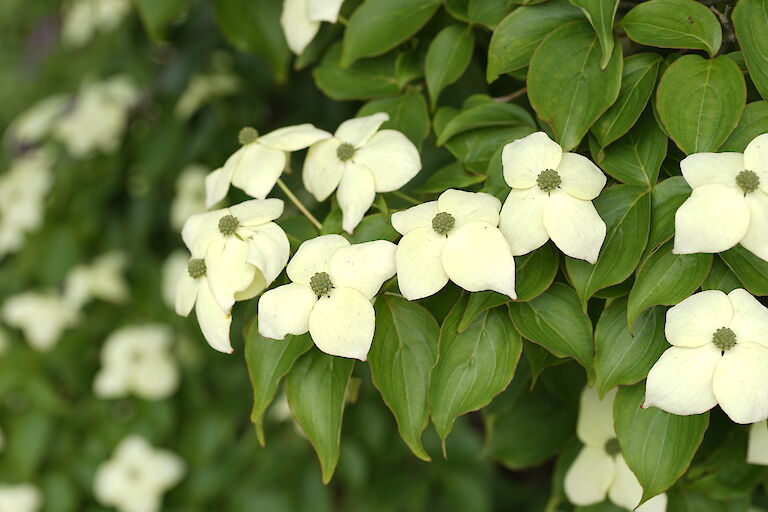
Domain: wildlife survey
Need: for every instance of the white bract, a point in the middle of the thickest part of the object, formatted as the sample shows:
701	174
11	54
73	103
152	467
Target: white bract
174	267
457	238
20	498
35	123
360	160
41	317
301	20
102	279
719	356
258	164
729	203
190	195
551	198
757	449
137	359
333	284
137	476
83	19
203	88
599	470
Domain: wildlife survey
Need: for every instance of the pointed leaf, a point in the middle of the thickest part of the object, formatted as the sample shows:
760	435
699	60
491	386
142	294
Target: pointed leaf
600	14
750	17
751	270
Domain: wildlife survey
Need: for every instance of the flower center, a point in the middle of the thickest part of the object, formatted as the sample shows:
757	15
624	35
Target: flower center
612	446
345	151
247	135
724	338
747	181
321	284
548	180
228	225
196	268
443	223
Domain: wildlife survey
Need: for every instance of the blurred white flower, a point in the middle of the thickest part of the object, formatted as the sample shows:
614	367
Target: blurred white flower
757	450
22	197
137	359
333	284
137	476
98	117
84	18
301	20
103	279
202	88
551	197
41	316
190	194
729	203
457	238
20	498
258	164
719	356
173	268
600	470
34	123
360	160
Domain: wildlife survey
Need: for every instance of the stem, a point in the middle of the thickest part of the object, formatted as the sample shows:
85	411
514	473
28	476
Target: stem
299	205
510	97
406	197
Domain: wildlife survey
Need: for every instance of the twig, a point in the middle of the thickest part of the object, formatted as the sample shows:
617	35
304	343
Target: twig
299	205
510	97
725	21
408	198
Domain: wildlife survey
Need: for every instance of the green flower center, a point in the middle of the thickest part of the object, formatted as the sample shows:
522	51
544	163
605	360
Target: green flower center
443	223
228	225
321	284
345	151
196	268
748	181
548	180
724	339
612	447
247	135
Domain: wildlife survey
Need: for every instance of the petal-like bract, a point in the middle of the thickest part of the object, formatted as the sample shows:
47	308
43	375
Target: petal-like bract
595	423
756	238
590	476
466	207
522	220
343	323
524	159
713	219
750	318
391	158
712	168
692	322
757	449
322	169
756	159
419	216
298	28
741	382
314	256
419	260
293	138
214	321
356	193
574	226
285	310
580	177
363	267
359	130
257	170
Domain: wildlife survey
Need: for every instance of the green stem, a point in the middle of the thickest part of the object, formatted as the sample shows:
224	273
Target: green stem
406	197
299	205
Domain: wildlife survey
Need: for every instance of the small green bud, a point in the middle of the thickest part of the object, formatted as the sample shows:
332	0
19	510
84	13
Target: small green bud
196	268
548	180
345	151
443	223
724	339
748	181
228	225
612	447
247	135
321	284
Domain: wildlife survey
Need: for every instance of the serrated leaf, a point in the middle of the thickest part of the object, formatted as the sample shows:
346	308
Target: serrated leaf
447	58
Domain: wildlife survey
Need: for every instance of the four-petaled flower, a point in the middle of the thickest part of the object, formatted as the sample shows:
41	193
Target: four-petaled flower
551	197
301	20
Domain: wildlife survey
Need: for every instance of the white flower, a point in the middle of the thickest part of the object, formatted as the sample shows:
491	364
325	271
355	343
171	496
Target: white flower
137	359
174	267
330	296
34	123
360	160
84	18
102	279
729	203
20	498
301	20
551	197
719	356
202	88
258	164
757	450
457	238
137	476
600	470
243	250
42	317
190	195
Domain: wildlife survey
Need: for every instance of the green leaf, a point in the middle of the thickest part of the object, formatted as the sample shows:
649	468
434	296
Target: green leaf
473	366
447	58
316	388
402	355
487	12
674	24
658	446
721	278
666	198
637	83
666	278
156	16
556	321
600	14
268	362
620	356
750	17
626	211
751	270
479	302
753	122
535	271
407	113
486	115
517	36
700	101
377	26
475	148
566	86
452	175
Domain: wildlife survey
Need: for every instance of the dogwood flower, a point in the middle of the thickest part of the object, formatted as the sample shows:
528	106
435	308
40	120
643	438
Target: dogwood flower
137	359
83	19
102	279
174	267
34	123
360	160
42	317
729	203
457	238
203	88
137	476
551	197
190	195
301	20
20	498
244	250
258	164
719	355
600	470
757	449
333	284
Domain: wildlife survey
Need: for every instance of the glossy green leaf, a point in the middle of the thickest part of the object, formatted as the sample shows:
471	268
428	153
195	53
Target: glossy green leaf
721	278
535	271
478	303
157	15
475	148
699	101
487	12
600	14
750	18
401	358
753	122
486	115
447	58
452	175
666	198
566	86
751	270
407	114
